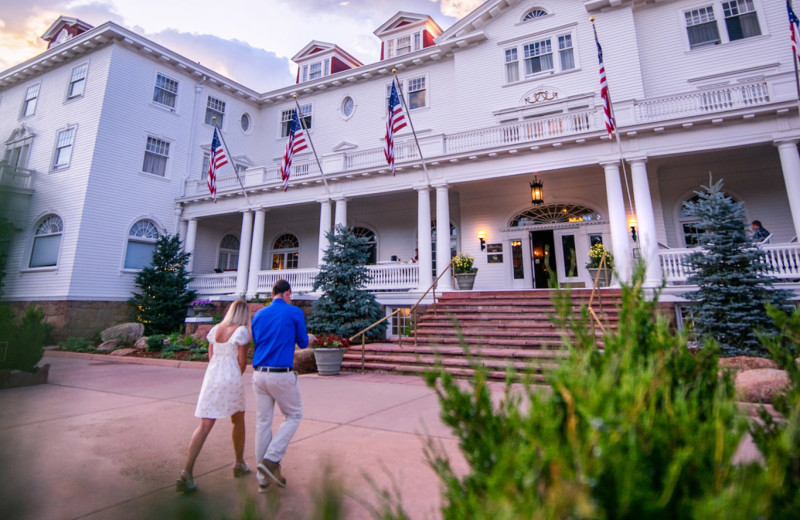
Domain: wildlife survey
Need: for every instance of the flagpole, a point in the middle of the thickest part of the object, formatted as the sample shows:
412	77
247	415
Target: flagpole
411	124
233	163
795	58
308	136
616	133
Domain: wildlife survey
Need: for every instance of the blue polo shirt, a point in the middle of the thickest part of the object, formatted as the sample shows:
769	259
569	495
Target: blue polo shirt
276	329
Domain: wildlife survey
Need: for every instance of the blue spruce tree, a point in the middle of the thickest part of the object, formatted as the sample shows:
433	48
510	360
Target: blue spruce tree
728	268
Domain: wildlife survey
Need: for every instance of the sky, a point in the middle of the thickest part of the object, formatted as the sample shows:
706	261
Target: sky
249	41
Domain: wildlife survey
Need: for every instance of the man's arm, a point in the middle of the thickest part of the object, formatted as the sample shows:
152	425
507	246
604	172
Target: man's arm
301	334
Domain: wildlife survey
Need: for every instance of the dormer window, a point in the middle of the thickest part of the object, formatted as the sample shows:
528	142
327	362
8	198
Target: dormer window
404	45
318	69
535	13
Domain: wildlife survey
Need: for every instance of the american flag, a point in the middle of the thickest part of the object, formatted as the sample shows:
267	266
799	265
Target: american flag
794	26
217	160
608	116
394	122
296	143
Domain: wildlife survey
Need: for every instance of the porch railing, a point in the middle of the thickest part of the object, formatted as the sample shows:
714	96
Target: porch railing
397	277
783	261
15	177
719	99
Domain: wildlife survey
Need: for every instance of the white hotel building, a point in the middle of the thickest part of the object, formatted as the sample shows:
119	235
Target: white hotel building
107	138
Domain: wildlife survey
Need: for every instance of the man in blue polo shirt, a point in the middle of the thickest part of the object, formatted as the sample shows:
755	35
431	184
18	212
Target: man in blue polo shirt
276	329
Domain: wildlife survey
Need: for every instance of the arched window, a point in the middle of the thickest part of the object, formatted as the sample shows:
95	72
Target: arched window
453	244
689	225
141	245
534	13
228	253
554	214
47	242
372	243
285	252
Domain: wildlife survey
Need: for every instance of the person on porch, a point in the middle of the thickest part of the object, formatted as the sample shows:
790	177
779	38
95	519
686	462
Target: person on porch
759	232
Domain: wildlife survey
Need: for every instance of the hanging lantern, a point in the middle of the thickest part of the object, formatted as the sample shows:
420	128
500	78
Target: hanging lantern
537	191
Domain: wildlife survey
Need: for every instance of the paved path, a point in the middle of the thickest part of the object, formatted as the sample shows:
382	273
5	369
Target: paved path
106	440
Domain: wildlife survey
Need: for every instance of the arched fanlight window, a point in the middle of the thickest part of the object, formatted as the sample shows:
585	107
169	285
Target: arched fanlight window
285	252
534	13
141	244
372	243
453	243
554	214
228	253
47	242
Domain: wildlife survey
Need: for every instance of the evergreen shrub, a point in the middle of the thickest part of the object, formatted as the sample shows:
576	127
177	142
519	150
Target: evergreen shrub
23	338
76	344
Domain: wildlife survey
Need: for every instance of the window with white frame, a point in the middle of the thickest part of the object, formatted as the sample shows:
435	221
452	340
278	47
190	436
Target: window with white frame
539	57
142	239
47	242
285	252
29	103
156	154
287	115
417	89
402	45
165	91
533	14
215	108
63	153
77	81
206	161
318	69
18	147
740	19
401	323
228	253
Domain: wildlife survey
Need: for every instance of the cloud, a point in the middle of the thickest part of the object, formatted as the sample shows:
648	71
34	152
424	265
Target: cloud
459	8
252	67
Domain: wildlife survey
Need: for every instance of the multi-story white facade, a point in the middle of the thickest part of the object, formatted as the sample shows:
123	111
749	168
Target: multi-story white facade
118	141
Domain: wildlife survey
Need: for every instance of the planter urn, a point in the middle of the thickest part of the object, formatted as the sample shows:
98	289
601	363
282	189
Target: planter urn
605	276
329	360
465	281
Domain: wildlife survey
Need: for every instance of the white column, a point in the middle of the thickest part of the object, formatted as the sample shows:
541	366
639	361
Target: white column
256	251
244	252
324	228
616	217
646	220
340	218
443	236
424	238
790	164
189	240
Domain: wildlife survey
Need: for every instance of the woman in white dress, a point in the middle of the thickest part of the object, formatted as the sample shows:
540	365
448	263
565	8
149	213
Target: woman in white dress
222	393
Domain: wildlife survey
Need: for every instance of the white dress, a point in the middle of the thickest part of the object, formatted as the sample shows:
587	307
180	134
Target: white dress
222	393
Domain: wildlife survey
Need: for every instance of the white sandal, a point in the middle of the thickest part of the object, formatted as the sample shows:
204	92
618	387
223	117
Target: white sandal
241	469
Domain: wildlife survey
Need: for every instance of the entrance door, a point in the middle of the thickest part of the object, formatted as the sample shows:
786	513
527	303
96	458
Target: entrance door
568	251
542	258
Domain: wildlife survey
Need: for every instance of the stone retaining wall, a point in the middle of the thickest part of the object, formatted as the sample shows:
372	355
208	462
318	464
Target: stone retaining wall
79	318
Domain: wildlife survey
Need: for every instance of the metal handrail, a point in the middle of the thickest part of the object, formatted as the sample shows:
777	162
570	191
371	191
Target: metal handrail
363	332
602	267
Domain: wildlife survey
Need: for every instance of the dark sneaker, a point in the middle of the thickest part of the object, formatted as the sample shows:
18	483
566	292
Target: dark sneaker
272	470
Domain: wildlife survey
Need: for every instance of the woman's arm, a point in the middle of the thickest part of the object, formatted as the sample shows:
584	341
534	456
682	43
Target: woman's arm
242	357
210	350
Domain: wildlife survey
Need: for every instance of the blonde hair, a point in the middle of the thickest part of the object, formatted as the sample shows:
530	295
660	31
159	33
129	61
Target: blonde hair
238	314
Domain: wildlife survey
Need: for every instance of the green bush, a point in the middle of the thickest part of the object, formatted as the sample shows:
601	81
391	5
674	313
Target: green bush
155	343
642	430
23	339
75	344
167	355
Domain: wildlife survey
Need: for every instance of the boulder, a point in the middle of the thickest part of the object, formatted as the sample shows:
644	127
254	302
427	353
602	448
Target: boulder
739	363
141	343
304	362
760	385
108	346
122	351
127	333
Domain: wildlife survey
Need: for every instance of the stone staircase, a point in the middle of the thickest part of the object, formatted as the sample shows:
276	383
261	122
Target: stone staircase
508	328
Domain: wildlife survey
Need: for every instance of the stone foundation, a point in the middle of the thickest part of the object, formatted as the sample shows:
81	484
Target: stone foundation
79	318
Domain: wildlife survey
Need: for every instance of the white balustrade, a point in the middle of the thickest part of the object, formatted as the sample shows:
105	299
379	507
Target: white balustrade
392	277
783	261
15	177
720	99
216	283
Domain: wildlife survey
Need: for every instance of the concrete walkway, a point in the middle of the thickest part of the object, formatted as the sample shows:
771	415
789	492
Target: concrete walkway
106	439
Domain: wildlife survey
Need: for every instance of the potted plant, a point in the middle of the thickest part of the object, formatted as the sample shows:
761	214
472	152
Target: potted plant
328	353
600	263
464	272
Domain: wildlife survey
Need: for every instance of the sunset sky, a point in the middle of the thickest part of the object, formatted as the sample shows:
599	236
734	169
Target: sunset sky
238	38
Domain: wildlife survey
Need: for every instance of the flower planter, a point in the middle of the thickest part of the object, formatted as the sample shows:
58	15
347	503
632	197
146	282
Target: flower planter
17	378
465	281
329	360
605	276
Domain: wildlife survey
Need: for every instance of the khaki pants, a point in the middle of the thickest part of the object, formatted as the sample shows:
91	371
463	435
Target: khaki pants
280	388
